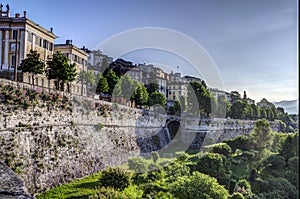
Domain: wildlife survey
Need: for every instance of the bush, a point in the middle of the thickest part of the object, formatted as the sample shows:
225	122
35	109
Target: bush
108	193
293	164
138	164
222	148
211	164
239	142
114	177
276	161
236	195
198	185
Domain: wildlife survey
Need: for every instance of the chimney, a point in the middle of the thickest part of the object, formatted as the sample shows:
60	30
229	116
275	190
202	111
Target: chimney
17	15
68	41
51	29
25	13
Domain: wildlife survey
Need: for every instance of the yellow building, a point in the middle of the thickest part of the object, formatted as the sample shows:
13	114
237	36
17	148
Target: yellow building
79	57
18	35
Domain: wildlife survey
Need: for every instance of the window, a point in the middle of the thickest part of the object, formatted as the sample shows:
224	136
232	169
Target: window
42	82
36	81
29	37
37	40
15	34
50	46
13	60
45	44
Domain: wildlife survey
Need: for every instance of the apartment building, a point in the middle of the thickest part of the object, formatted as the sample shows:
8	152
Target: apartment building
18	35
79	57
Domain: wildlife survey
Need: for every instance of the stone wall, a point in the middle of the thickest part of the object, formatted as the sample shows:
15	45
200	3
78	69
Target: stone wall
47	145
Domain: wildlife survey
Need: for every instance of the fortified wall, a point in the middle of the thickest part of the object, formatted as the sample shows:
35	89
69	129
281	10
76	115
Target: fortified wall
47	144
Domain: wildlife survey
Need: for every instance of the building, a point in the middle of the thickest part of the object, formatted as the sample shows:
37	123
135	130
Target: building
216	93
18	35
176	90
247	99
190	79
265	104
79	57
97	61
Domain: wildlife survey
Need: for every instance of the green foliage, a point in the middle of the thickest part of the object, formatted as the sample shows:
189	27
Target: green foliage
157	98
290	146
240	142
211	164
240	110
198	186
222	148
102	86
141	95
138	164
59	69
279	188
236	195
115	177
261	136
276	161
32	64
244	187
108	193
203	97
112	80
293	164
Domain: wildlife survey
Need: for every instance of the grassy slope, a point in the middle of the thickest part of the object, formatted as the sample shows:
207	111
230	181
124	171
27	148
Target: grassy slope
79	189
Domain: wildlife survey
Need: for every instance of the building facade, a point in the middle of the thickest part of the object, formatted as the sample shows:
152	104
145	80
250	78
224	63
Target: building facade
79	57
19	35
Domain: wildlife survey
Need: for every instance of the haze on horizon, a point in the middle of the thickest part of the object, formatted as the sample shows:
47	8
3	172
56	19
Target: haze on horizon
253	43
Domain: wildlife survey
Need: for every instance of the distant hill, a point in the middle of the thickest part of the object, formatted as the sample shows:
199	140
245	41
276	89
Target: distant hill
289	106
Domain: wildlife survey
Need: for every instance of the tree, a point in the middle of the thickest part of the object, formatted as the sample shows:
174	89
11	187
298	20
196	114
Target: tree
261	136
102	86
152	87
141	95
198	185
60	70
155	156
223	107
157	98
112	80
89	78
202	96
240	110
32	64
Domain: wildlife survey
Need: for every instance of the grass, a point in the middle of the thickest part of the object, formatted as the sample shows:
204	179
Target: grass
79	189
85	187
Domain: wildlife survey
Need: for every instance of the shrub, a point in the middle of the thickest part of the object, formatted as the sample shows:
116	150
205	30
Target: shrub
276	161
236	195
108	193
293	164
222	148
138	164
198	185
115	177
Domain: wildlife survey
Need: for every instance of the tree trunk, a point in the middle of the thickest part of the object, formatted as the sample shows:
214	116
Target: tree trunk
32	79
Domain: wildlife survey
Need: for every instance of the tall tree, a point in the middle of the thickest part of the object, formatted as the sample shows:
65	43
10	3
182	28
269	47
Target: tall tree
60	70
112	80
32	64
262	136
102	86
141	95
157	98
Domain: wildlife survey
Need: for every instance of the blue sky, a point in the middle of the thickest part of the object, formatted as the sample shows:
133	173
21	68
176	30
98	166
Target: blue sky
253	43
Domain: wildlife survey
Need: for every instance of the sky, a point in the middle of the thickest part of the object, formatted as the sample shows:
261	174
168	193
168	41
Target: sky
253	44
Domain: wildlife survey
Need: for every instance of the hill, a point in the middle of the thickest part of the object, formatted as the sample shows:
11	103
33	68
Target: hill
290	106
